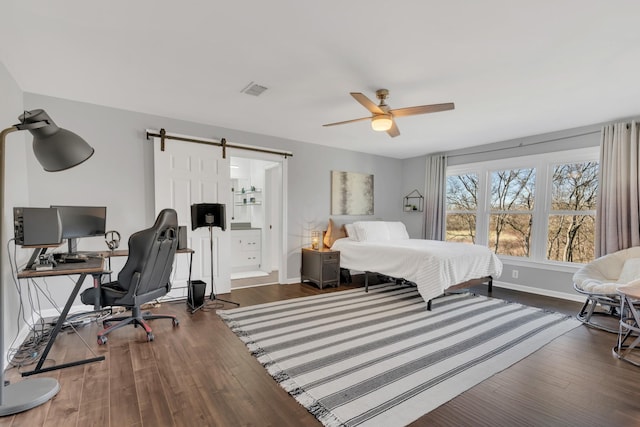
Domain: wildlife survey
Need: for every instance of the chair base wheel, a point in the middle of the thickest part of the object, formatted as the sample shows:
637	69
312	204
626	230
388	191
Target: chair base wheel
102	340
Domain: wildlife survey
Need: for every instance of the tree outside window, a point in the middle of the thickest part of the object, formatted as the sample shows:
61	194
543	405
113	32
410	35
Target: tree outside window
571	228
462	207
539	208
511	217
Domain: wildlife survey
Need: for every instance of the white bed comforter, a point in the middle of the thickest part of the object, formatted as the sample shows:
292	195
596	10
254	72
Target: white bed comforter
431	264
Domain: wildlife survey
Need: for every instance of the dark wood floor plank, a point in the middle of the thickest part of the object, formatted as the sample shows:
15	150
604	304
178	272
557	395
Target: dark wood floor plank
66	404
124	406
94	405
94	413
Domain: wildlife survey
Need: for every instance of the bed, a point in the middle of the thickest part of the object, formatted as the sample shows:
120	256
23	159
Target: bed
434	266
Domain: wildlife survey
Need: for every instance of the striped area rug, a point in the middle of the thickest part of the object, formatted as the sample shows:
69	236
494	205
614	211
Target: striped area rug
380	358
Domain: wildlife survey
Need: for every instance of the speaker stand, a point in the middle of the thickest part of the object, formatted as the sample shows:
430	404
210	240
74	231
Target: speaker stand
213	296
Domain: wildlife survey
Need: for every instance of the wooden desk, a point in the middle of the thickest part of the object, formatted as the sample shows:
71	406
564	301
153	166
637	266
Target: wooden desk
93	266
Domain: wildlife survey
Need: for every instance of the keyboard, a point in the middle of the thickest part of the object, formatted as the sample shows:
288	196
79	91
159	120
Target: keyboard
71	258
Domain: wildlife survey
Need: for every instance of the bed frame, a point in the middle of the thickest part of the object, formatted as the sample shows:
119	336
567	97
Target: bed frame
469	283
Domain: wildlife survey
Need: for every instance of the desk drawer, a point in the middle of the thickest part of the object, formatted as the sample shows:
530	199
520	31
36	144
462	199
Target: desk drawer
331	257
246	258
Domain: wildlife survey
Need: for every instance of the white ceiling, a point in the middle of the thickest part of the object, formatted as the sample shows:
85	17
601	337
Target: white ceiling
513	68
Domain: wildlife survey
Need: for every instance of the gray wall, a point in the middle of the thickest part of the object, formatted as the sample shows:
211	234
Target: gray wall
413	176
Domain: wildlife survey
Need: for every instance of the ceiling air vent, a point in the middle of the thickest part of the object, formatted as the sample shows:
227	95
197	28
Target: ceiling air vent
253	89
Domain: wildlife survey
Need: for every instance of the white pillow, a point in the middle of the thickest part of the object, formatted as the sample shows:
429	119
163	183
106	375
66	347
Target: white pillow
397	230
371	231
630	270
351	232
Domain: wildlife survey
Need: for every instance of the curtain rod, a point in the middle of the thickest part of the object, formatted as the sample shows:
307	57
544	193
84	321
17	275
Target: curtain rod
223	143
524	145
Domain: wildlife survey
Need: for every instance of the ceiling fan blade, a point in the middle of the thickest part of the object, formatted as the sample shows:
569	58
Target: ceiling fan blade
367	103
393	131
348	121
422	109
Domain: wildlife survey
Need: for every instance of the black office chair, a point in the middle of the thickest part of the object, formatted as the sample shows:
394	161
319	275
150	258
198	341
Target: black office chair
144	277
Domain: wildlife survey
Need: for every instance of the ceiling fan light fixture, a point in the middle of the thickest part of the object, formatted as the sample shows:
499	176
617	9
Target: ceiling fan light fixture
381	122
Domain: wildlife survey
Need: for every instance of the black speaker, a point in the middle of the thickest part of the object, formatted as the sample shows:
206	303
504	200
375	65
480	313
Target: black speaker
182	237
208	214
195	296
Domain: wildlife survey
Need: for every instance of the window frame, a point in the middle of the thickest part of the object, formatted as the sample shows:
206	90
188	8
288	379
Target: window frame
544	165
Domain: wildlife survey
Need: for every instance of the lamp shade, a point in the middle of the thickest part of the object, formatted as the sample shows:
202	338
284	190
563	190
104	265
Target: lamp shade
381	122
55	148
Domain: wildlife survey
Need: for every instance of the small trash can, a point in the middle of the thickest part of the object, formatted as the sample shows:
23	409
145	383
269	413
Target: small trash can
195	295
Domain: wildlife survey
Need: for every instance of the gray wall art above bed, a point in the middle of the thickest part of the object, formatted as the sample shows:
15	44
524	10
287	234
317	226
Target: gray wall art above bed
351	193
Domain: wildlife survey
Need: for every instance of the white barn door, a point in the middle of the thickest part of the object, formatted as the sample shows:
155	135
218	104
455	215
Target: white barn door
188	173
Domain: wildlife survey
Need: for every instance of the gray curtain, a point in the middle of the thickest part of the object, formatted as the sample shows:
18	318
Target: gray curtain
618	208
434	197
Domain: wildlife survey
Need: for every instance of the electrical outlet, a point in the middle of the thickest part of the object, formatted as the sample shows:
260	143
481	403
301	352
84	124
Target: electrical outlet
514	274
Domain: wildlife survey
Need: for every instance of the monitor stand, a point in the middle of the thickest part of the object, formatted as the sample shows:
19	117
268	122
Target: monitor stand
72	246
72	254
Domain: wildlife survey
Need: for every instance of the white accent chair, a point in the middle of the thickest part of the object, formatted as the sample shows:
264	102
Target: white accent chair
599	281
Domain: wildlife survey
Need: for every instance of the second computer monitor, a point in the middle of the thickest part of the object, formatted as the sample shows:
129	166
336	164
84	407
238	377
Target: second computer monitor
81	221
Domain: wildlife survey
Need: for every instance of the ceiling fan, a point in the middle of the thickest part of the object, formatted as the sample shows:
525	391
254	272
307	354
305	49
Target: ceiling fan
382	118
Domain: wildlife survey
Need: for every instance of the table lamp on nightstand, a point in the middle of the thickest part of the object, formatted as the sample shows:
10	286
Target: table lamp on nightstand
56	149
316	237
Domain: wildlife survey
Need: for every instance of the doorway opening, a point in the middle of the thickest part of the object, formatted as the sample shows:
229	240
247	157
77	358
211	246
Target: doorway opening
257	219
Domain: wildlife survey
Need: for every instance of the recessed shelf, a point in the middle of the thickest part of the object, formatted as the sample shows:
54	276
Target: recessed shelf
240	193
249	203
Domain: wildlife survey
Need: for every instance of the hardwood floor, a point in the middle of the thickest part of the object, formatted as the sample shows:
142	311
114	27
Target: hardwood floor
200	373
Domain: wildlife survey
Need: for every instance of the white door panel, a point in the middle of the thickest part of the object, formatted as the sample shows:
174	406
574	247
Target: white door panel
185	174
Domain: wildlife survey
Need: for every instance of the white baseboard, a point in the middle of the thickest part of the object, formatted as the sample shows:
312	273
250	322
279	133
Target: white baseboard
538	291
253	286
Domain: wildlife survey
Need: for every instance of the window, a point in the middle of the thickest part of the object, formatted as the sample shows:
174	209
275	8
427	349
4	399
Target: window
537	208
511	214
571	229
462	204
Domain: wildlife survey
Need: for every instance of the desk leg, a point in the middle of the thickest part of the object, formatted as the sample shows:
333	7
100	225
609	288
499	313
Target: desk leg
34	256
190	265
54	334
97	304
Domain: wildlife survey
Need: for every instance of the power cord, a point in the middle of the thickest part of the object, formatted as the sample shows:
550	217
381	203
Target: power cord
27	352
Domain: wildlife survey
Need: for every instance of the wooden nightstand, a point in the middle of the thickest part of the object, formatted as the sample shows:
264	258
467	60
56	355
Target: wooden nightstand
320	266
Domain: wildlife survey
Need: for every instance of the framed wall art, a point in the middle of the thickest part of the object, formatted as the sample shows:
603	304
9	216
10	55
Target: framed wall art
351	193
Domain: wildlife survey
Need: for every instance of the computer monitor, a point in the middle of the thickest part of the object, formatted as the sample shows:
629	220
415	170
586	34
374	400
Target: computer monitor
81	221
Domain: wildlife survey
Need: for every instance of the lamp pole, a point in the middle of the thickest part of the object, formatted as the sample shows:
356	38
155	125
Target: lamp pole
31	392
56	149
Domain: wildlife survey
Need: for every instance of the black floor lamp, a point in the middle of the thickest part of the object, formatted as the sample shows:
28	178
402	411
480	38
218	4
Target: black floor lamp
210	215
56	149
